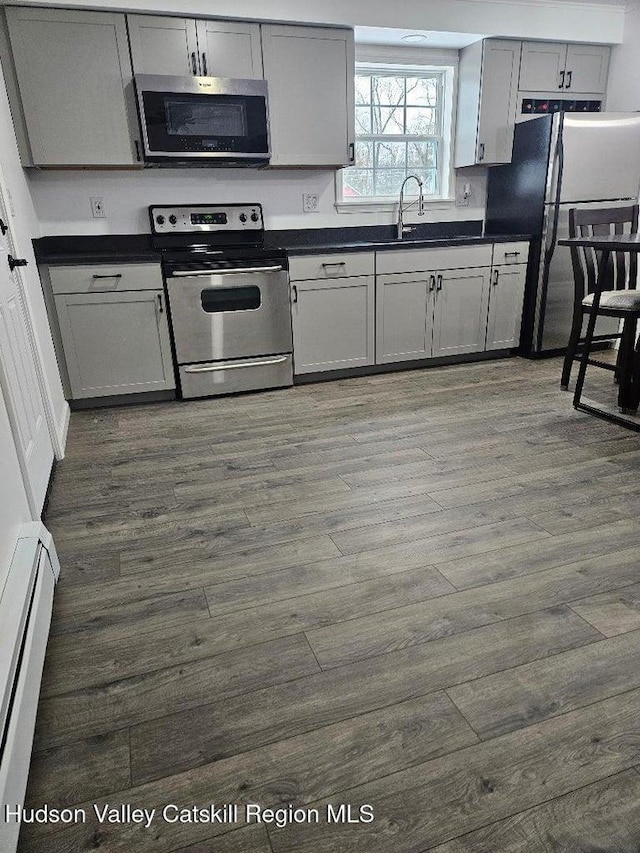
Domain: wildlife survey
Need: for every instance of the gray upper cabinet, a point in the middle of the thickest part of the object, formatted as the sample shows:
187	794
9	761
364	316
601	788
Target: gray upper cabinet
310	72
487	102
166	45
72	69
163	45
229	49
549	66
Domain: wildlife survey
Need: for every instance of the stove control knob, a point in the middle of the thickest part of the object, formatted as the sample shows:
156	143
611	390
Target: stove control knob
243	217
160	219
254	216
173	219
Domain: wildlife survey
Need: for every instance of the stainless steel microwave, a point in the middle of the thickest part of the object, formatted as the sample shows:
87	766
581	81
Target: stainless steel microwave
206	120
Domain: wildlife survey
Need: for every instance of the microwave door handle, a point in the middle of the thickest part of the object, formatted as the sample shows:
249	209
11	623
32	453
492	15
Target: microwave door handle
237	271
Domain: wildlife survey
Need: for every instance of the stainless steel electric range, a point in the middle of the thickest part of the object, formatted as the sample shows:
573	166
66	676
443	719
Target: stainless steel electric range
228	298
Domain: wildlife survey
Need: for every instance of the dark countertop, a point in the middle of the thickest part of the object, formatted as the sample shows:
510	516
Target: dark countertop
137	248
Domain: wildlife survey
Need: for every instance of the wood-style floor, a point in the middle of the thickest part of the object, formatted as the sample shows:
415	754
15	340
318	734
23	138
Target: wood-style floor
419	591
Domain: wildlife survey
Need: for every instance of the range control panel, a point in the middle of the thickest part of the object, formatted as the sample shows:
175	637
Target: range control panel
221	218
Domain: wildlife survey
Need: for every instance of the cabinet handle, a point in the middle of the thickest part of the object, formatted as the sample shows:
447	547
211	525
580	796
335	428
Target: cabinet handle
352	152
511	254
16	262
561	83
194	64
294	290
439	282
496	276
481	152
569	76
160	305
113	275
204	64
137	144
432	283
3	228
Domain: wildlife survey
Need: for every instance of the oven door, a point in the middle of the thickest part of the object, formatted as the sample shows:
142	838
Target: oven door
203	118
229	314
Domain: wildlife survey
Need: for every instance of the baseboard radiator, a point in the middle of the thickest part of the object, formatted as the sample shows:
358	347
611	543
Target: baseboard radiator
25	616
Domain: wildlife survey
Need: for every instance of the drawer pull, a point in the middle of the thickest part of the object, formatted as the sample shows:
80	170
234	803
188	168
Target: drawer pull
334	264
511	254
113	275
213	368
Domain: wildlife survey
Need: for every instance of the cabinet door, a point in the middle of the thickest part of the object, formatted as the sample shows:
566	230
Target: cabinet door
333	324
115	343
229	49
72	69
505	307
498	100
460	316
404	317
163	45
310	72
587	67
542	66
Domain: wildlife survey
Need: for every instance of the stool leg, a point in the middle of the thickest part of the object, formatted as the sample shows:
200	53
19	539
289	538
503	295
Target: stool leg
625	363
572	348
588	338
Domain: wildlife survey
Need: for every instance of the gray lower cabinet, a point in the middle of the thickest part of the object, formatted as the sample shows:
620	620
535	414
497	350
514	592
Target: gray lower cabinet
333	323
431	314
505	306
73	68
460	311
114	330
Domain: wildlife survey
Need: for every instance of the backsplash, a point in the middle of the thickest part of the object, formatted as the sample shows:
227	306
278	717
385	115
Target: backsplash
62	201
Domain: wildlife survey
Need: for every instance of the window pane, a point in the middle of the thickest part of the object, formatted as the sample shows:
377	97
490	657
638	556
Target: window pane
430	181
363	89
422	121
387	120
363	120
389	181
387	91
391	154
422	91
357	182
422	155
364	155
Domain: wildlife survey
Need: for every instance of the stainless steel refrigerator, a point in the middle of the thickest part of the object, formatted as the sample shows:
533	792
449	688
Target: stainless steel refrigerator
560	161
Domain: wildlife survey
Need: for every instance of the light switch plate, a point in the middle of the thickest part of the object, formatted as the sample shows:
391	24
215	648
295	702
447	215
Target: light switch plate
97	207
310	202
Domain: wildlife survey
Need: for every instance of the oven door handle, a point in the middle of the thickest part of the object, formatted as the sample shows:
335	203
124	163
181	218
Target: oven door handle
212	368
237	271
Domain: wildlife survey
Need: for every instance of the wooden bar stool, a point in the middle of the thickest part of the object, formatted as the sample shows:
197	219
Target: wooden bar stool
619	278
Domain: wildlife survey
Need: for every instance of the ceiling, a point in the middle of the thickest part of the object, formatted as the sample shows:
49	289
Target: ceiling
389	36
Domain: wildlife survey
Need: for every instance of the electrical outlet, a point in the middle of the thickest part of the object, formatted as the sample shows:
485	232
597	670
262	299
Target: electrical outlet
97	207
464	194
310	202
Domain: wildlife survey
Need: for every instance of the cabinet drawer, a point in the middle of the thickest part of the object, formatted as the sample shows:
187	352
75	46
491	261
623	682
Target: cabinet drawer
100	278
331	266
415	260
510	253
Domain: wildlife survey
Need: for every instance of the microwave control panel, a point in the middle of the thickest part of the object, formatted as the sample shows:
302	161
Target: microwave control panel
168	219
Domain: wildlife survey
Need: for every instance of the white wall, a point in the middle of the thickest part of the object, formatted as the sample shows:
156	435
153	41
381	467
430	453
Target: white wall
624	74
14	508
24	226
597	21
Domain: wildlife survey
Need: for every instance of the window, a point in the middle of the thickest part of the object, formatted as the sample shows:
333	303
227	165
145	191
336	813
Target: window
402	119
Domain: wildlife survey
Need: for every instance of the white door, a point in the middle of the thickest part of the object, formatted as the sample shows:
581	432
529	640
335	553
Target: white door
20	383
404	316
587	67
500	66
505	306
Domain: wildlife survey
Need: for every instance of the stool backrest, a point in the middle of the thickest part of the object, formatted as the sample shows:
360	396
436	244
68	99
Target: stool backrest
622	270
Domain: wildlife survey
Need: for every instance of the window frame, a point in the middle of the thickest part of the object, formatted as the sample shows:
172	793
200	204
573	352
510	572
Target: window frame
420	62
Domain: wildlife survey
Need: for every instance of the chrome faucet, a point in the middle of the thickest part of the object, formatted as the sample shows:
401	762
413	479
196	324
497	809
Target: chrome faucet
402	228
